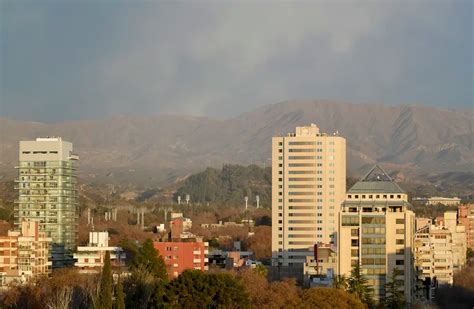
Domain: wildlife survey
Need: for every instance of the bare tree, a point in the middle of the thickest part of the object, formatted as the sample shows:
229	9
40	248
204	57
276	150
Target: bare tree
61	298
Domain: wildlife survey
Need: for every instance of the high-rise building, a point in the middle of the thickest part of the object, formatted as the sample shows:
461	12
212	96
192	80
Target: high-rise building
24	254
47	192
308	186
376	230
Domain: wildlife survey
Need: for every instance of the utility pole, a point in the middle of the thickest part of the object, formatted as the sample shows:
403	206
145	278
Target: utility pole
257	198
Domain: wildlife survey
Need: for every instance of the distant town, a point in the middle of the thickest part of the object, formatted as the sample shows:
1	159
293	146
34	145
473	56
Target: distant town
320	239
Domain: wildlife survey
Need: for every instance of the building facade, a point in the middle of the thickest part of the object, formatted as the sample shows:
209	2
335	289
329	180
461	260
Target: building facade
320	272
24	254
433	259
458	235
466	218
47	192
308	186
376	230
182	255
90	258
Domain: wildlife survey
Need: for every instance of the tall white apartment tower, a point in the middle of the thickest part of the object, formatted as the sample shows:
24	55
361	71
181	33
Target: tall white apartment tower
47	192
308	187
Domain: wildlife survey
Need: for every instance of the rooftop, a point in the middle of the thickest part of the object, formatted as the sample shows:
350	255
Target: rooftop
376	181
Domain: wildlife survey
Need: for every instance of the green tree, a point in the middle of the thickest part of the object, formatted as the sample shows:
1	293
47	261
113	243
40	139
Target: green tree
261	270
147	256
104	299
394	292
358	285
195	289
340	282
120	295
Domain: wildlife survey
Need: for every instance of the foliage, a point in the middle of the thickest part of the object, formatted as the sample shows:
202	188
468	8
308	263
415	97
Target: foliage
395	298
340	282
329	298
130	249
260	242
469	254
104	298
358	285
229	186
264	220
120	295
261	270
147	257
195	289
140	287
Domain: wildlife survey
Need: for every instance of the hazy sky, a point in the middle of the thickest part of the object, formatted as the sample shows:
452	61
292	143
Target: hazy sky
90	59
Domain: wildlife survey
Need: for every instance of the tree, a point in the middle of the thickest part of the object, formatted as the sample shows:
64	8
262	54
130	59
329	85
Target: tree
340	282
120	296
329	298
394	292
358	285
195	289
104	299
147	256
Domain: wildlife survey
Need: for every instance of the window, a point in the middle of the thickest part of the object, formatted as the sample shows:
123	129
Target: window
400	242
400	221
355	252
354	232
400	231
354	242
400	262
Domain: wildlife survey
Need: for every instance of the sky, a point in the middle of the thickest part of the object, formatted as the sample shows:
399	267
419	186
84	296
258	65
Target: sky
68	60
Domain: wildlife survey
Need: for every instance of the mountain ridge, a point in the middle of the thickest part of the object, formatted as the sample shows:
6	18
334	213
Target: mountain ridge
157	149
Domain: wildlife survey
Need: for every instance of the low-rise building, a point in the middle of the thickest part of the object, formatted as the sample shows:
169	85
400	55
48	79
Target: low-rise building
182	255
24	254
90	258
182	250
436	200
319	272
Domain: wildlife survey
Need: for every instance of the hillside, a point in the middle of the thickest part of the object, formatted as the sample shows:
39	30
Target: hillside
418	143
229	186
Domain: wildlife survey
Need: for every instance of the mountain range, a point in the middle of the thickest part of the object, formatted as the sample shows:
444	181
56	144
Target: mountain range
414	142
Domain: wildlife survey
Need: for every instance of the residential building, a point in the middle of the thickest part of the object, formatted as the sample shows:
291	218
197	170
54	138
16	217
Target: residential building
422	222
91	258
376	231
182	250
319	269
182	255
24	254
458	235
46	186
466	218
433	259
308	186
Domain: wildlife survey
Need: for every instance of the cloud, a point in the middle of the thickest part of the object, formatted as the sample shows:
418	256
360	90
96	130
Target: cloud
223	59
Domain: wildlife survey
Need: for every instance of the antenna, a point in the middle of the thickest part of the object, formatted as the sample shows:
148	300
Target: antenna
246	199
257	199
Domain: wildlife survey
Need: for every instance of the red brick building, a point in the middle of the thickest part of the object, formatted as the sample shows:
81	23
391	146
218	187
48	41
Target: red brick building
182	255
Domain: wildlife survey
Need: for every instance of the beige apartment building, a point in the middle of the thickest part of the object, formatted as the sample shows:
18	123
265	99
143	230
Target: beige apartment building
24	254
376	230
308	186
433	257
458	235
47	192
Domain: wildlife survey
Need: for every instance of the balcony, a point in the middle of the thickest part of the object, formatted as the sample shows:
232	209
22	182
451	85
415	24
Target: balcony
196	260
